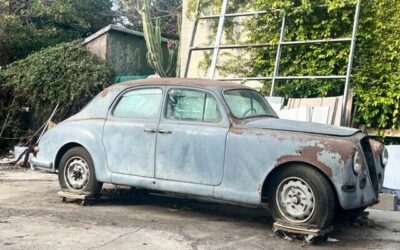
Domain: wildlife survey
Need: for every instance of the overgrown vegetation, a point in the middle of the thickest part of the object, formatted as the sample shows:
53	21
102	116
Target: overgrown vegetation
66	74
27	26
376	67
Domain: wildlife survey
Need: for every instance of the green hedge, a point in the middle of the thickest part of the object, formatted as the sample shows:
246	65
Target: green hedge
67	74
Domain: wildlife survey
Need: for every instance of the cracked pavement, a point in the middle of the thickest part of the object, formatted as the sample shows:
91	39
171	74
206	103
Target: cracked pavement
33	217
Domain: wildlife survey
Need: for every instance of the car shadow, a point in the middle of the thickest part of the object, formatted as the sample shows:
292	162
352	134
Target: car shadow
184	206
177	203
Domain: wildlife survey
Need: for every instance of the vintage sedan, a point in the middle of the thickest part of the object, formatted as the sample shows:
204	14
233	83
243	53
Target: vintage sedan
217	140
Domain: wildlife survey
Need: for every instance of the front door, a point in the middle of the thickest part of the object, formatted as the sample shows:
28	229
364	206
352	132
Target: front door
191	138
129	134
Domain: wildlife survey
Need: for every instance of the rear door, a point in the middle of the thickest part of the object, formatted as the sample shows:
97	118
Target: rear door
129	133
191	138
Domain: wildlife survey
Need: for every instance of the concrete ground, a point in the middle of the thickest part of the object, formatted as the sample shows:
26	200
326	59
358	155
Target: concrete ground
33	217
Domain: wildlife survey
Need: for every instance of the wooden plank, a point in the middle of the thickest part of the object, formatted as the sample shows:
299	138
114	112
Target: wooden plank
301	230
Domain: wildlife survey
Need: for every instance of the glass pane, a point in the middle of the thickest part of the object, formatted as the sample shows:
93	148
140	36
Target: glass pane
211	111
247	103
185	105
142	104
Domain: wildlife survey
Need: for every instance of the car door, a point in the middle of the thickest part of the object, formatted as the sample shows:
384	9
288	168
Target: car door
191	137
129	133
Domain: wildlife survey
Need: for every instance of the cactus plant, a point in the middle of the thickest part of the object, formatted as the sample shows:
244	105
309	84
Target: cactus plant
164	67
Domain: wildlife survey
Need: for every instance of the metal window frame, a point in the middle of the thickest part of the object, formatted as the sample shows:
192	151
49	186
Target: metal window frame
217	47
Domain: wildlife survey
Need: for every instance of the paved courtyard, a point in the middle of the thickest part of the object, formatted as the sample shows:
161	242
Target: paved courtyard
33	217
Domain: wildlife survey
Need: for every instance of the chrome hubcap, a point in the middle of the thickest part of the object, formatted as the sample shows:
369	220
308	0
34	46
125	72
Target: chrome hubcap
295	200
76	173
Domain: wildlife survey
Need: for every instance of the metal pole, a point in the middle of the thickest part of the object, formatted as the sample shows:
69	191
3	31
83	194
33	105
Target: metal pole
194	27
278	56
218	39
350	63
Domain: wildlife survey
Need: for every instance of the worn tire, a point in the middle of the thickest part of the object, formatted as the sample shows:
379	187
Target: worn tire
307	193
81	178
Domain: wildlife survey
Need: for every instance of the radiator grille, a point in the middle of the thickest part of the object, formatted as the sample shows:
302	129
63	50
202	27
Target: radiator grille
369	157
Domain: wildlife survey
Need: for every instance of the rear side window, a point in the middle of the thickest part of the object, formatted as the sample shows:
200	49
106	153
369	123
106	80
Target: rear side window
140	104
192	105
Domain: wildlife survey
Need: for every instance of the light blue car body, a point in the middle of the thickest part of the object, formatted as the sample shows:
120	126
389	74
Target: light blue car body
228	161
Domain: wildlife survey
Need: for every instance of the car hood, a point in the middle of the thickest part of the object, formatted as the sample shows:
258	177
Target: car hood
298	126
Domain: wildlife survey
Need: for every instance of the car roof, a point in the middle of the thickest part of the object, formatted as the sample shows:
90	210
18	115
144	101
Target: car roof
189	82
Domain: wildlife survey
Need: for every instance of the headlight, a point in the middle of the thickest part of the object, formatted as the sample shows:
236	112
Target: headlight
357	163
384	157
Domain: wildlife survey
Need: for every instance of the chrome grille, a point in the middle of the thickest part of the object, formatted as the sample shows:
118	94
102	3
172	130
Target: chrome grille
369	157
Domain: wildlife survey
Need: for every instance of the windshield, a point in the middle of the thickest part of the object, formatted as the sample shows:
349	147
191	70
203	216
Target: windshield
245	103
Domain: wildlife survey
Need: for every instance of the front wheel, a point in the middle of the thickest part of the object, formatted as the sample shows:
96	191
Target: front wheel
76	172
301	195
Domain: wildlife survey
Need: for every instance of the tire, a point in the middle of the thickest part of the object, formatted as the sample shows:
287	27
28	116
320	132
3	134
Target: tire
81	178
308	195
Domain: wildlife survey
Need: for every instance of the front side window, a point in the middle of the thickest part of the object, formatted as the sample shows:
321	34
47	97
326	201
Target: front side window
192	105
245	103
140	104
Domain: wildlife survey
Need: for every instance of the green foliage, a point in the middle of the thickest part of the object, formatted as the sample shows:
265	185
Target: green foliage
30	25
376	69
305	20
66	74
377	65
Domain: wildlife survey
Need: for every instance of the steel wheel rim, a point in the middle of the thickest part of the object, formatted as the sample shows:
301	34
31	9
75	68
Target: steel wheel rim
295	200
76	173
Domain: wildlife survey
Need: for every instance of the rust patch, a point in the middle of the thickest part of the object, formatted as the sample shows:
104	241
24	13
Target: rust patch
376	146
237	131
190	82
344	148
308	154
104	92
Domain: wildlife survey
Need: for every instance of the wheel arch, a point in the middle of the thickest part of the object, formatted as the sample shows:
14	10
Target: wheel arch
63	150
278	168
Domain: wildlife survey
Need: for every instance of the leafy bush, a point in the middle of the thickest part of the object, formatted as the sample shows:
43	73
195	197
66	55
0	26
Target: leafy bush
66	74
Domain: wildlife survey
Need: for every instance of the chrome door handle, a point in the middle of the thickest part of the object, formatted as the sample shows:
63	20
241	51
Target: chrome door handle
150	130
162	131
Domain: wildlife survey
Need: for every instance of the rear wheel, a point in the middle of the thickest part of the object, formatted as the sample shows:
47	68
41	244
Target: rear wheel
76	172
301	195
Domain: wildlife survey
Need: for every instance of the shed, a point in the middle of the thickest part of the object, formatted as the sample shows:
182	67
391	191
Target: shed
122	48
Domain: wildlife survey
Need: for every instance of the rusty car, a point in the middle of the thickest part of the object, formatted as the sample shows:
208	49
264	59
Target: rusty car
214	140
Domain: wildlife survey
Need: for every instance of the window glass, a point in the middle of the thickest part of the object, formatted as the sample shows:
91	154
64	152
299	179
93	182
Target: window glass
247	103
141	104
211	111
191	105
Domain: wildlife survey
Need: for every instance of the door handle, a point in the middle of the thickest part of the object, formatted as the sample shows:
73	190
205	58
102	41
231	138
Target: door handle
150	130
162	131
